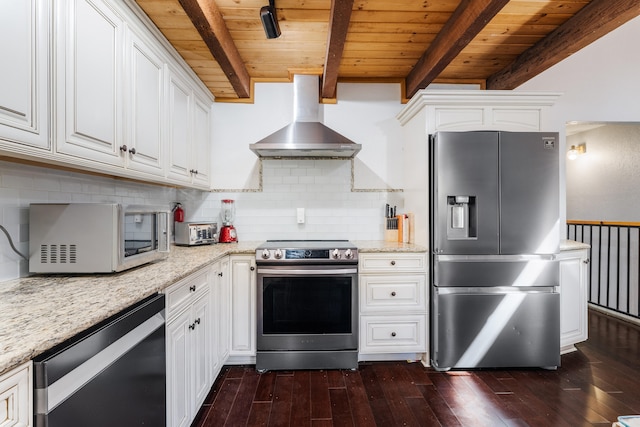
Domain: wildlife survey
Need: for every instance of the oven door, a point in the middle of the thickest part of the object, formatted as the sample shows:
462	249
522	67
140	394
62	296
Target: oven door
312	307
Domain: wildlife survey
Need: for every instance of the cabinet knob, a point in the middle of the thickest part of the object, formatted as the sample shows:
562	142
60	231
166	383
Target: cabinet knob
192	288
393	334
132	150
220	274
123	148
393	294
587	261
393	263
252	268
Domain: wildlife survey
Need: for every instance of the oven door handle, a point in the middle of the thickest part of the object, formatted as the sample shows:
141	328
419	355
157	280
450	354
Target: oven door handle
307	272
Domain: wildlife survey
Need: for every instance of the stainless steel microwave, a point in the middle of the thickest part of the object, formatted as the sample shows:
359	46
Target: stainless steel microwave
95	237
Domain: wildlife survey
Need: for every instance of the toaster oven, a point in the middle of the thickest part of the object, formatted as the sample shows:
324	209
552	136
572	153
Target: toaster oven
195	233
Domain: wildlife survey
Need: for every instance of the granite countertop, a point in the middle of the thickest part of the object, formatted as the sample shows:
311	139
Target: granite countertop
569	245
41	311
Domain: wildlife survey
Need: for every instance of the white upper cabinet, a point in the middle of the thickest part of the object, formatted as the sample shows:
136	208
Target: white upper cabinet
180	110
146	121
190	122
24	85
89	86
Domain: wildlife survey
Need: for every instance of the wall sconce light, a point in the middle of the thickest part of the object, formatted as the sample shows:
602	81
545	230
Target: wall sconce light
576	150
270	20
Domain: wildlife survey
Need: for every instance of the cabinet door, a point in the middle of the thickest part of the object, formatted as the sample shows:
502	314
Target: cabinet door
243	305
145	108
16	397
179	145
89	83
24	85
201	161
222	301
200	350
179	402
573	298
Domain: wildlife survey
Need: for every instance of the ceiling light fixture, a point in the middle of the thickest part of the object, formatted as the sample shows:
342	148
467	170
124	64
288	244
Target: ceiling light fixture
576	150
270	20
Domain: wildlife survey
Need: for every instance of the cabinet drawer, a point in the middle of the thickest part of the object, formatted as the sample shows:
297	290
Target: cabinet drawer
185	292
393	334
396	262
397	293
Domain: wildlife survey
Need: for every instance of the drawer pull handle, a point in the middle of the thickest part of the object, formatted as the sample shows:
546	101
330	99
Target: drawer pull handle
192	288
393	334
192	326
197	321
219	274
393	294
393	263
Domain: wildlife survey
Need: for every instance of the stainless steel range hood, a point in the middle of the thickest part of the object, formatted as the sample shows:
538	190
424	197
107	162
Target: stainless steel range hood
305	136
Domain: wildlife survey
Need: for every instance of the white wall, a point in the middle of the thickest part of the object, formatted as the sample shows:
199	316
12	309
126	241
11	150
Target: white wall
599	83
602	184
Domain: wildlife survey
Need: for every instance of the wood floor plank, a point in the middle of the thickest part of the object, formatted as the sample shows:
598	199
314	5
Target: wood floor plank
281	406
241	407
219	411
357	395
259	414
439	406
301	399
264	392
393	390
379	406
320	402
335	379
340	410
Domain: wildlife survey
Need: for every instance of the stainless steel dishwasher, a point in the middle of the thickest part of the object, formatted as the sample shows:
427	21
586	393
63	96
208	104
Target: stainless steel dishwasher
113	374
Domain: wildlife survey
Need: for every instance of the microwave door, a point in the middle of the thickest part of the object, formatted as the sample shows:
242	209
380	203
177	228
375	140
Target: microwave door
465	193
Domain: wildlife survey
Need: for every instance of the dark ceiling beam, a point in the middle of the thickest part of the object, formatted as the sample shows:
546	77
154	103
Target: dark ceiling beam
208	20
593	21
469	18
339	19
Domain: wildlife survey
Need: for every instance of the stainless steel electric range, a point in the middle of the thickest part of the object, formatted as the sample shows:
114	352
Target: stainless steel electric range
307	300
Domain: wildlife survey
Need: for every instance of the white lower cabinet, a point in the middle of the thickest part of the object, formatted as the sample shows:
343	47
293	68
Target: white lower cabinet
16	398
573	298
189	347
243	308
393	306
221	299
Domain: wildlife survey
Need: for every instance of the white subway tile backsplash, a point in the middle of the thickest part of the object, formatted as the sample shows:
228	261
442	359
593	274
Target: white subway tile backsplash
322	187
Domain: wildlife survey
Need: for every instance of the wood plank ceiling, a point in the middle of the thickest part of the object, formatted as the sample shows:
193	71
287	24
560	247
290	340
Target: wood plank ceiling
498	44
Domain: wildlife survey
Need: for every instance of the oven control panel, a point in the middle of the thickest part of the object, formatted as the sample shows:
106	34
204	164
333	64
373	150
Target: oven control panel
301	255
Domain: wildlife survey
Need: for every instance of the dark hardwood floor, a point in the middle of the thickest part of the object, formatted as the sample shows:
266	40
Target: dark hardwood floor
593	387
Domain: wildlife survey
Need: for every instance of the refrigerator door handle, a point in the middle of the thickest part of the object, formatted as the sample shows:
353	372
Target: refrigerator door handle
497	290
495	258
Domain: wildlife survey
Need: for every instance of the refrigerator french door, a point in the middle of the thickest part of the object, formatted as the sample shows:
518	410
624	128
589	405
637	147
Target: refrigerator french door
494	239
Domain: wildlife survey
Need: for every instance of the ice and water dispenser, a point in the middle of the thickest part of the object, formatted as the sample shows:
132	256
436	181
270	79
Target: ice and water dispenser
462	218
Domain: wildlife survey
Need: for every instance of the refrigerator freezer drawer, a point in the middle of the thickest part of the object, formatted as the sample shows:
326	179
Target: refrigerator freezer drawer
452	271
495	330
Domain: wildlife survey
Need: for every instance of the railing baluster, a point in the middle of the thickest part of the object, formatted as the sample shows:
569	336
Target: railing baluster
601	251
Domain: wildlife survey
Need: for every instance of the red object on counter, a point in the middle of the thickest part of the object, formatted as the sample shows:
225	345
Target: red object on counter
178	213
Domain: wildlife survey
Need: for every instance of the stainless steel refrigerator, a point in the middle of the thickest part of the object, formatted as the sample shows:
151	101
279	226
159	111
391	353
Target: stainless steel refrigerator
494	240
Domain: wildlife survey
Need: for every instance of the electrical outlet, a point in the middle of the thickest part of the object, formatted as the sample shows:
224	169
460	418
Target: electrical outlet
300	212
